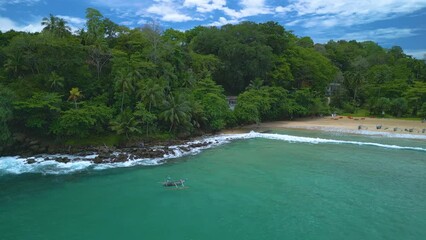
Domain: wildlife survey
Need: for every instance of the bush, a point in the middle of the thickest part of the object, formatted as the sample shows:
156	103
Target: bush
399	106
80	122
422	111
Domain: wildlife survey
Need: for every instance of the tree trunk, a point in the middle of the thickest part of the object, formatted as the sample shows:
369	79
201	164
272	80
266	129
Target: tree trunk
122	101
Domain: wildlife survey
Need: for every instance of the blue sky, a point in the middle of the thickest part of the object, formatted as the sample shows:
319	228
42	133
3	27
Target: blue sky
388	22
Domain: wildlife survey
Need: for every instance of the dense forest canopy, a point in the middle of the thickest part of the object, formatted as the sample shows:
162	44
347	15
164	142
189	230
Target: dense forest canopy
147	81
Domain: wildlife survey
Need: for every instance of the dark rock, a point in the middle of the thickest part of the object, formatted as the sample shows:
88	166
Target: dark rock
185	149
34	142
35	148
19	137
120	158
31	160
62	160
98	160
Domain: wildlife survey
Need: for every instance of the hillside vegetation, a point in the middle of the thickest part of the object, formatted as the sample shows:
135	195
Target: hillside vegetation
141	83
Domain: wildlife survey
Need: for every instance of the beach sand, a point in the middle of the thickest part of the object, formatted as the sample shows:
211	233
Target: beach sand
343	124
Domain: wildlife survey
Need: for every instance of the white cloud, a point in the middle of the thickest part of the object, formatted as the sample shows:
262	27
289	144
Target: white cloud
72	20
127	23
416	53
330	13
75	23
205	6
168	11
223	21
10	2
380	34
250	8
6	24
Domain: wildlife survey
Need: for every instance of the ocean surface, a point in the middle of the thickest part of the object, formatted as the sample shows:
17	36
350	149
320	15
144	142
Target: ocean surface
291	184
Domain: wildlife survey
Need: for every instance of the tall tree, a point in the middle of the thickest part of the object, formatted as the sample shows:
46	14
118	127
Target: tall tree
176	112
57	26
124	80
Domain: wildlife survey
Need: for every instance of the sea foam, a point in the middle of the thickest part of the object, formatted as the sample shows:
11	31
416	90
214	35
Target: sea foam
18	165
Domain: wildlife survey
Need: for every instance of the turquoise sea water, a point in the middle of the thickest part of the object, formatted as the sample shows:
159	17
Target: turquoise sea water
255	188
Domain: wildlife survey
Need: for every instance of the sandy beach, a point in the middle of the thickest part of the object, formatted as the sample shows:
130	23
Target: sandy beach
345	124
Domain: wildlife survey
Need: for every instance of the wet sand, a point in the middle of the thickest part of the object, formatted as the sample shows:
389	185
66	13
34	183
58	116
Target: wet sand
343	124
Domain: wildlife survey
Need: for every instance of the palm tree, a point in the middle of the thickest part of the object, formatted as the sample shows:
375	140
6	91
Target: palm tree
75	94
125	82
152	93
57	26
56	81
126	123
255	84
177	111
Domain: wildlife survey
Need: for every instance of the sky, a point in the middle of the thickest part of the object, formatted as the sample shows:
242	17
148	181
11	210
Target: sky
387	22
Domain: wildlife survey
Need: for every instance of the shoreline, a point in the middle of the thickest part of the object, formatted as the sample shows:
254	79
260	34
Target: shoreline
388	127
393	128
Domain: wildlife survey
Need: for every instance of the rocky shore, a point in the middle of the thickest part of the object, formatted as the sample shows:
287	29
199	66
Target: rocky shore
35	151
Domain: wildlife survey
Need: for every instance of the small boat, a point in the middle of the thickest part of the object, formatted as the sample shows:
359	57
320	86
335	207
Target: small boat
170	183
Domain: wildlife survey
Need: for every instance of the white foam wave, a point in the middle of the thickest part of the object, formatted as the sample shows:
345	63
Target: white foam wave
404	135
18	165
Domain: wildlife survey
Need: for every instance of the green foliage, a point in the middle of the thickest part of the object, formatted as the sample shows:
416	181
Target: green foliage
145	117
176	112
55	25
75	94
310	69
380	106
399	106
80	122
275	103
247	113
150	83
216	110
422	111
39	111
126	123
6	114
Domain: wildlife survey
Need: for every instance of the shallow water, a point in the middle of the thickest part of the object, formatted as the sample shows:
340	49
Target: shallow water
250	188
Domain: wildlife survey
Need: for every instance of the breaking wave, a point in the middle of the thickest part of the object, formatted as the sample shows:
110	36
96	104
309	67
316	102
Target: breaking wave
45	164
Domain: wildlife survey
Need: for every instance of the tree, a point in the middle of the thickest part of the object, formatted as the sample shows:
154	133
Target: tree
75	94
152	93
216	111
82	121
95	26
56	25
256	84
176	112
381	106
310	69
422	111
145	117
6	114
99	56
56	81
124	81
39	111
353	82
126	123
399	106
